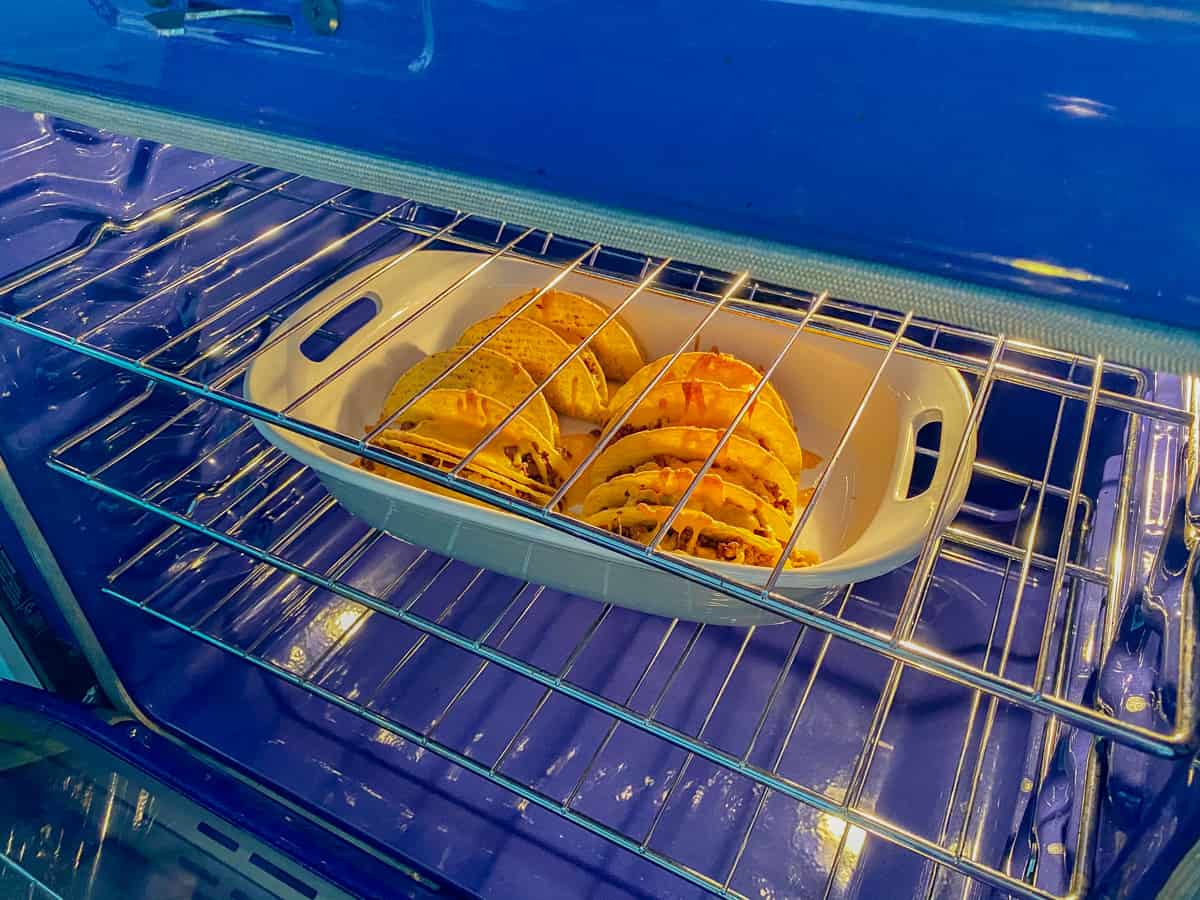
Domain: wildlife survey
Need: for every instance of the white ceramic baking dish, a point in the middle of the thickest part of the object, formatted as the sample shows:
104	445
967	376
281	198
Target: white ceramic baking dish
863	526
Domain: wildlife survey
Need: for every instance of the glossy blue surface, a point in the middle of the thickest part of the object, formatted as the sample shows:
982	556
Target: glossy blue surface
1046	147
94	810
468	830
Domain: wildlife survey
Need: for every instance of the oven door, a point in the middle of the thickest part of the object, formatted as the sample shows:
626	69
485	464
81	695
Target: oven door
97	806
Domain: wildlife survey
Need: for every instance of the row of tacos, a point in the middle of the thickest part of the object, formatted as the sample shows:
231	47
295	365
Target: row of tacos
742	511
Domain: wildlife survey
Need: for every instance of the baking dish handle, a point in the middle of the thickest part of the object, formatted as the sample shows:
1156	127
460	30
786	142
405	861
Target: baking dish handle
329	339
902	482
946	489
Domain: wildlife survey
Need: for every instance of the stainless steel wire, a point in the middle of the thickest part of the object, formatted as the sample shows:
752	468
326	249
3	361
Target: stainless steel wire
587	261
822	316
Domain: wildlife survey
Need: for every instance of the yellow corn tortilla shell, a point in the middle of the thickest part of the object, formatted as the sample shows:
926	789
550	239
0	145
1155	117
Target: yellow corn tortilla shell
441	456
452	421
724	500
575	317
700	366
680	447
696	534
486	371
486	479
579	390
707	404
574	448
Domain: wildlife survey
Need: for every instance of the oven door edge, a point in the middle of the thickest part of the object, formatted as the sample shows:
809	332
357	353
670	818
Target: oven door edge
1087	331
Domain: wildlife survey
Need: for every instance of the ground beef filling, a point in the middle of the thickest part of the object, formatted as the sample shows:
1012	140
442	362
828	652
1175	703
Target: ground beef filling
592	365
778	499
528	464
504	486
704	546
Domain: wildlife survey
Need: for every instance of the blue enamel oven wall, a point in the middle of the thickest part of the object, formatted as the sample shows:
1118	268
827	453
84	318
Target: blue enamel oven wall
1045	147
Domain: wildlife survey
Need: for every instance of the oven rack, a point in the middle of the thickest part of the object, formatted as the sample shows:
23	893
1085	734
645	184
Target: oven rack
17	882
208	356
259	473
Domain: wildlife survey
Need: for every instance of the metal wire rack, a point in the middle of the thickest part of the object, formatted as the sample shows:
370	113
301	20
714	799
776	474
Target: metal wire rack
16	882
206	358
37	302
251	479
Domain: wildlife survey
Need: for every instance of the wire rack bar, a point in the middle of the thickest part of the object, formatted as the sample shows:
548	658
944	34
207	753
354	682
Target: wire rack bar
621	419
128	226
994	361
11	870
910	607
418	739
1022	583
835	327
712	708
727	435
844	441
1064	543
563	673
541	386
173	237
244	300
826	640
201	270
818	314
449	233
421	310
485	638
832	325
637	686
787	296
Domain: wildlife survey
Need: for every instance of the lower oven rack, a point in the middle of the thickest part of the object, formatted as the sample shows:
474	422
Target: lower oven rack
114	454
1039	554
16	881
275	475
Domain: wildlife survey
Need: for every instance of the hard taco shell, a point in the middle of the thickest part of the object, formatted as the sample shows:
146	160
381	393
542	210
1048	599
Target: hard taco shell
490	373
580	390
575	317
702	366
724	500
707	404
696	534
740	461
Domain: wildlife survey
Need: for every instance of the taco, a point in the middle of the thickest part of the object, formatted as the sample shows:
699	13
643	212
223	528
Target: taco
486	371
707	404
574	449
575	318
441	457
446	423
719	367
725	501
740	461
579	390
484	478
696	534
